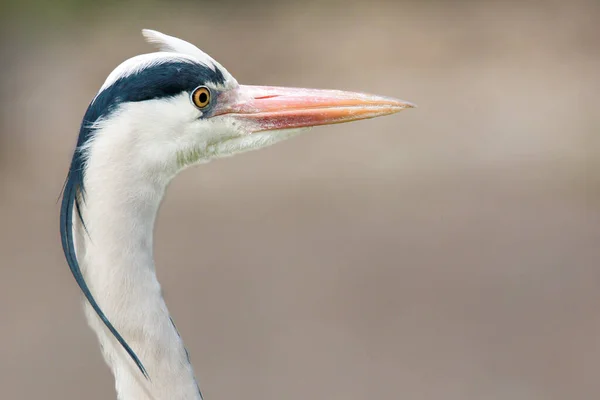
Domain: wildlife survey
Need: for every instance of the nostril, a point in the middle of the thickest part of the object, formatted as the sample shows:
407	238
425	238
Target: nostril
266	97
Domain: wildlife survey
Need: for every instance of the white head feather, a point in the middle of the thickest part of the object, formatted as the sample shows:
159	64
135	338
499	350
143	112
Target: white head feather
172	44
171	49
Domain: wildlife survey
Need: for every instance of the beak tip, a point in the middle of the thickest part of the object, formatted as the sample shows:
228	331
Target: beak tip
406	104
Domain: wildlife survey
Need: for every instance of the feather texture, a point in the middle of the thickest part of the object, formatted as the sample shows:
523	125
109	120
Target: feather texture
143	79
172	44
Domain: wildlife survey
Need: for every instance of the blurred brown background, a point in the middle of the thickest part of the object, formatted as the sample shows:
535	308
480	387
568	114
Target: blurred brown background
449	252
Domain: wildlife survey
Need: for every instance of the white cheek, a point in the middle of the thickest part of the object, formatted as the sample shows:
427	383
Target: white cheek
149	134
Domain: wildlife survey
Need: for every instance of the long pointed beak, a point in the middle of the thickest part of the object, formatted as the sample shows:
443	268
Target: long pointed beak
270	108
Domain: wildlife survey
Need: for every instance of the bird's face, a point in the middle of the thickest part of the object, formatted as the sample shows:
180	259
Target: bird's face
181	107
229	120
232	119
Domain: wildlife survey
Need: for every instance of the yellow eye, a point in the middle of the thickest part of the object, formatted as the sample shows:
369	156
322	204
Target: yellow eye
201	97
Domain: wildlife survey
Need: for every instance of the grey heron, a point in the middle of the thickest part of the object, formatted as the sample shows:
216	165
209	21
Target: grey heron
155	115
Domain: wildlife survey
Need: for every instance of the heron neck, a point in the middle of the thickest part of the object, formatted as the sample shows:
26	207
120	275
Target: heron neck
116	257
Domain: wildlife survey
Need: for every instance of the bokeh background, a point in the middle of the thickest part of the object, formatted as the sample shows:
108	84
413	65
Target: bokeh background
448	252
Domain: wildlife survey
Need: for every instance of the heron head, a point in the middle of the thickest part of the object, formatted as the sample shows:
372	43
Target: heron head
158	113
177	107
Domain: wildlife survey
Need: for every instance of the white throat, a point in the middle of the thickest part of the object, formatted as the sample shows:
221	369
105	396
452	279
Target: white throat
121	202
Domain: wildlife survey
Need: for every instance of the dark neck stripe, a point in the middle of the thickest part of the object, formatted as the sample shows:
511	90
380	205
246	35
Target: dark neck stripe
155	82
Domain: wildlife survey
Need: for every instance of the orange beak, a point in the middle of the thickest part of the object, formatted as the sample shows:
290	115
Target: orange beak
270	108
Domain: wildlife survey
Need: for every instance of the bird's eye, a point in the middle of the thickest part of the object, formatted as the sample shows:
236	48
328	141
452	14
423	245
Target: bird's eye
201	97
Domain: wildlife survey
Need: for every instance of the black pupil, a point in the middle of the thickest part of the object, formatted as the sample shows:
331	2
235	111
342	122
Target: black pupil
203	97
